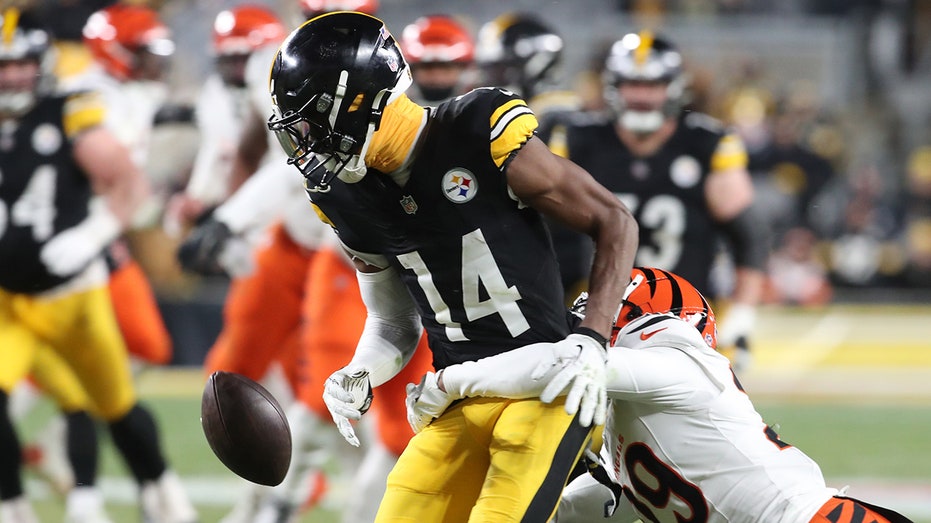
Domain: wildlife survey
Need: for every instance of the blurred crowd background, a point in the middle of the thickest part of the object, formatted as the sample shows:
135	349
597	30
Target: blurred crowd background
832	98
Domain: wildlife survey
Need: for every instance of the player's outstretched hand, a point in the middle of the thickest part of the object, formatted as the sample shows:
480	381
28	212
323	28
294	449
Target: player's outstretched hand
581	359
425	402
348	395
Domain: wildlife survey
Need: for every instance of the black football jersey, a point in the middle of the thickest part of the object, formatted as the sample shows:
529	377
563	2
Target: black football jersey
479	264
42	191
665	191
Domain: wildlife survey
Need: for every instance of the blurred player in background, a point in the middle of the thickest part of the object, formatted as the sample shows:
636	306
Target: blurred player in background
122	55
519	52
681	173
683	442
224	112
441	52
77	190
128	49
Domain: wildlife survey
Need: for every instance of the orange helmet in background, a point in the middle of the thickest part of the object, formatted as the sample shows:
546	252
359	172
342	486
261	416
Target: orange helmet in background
437	39
118	36
312	8
245	28
655	291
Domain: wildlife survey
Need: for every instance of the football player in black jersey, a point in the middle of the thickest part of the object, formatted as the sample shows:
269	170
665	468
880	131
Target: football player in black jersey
681	173
440	209
68	188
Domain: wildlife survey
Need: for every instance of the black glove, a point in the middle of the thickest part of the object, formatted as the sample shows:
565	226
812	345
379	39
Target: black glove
200	251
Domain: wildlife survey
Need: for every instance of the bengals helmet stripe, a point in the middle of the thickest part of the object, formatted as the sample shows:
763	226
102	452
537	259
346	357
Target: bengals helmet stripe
666	292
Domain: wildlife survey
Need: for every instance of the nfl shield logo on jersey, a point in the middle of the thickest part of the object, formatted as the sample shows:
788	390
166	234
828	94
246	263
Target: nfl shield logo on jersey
408	204
459	185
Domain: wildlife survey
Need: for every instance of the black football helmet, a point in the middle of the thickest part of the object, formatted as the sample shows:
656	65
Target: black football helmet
517	51
330	82
24	38
644	57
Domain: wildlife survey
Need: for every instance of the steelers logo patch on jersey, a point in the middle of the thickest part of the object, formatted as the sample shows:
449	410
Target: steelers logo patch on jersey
685	171
46	139
459	185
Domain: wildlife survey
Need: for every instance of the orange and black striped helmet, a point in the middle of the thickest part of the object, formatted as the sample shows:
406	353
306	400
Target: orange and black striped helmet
653	290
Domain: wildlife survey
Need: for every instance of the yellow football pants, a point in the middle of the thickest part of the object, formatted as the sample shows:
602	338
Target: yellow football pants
73	347
486	460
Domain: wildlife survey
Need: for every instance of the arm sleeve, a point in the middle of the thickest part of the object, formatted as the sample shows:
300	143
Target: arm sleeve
660	375
505	375
261	198
392	327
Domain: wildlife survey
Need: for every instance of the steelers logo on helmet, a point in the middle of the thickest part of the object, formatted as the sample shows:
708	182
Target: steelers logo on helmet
459	185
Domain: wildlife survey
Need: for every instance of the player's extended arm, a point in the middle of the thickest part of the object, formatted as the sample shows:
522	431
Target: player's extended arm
564	191
389	338
121	190
520	373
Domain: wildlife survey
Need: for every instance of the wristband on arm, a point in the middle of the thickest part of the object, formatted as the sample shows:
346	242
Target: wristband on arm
592	333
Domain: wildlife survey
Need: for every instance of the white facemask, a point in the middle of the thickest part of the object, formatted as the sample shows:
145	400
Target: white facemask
641	121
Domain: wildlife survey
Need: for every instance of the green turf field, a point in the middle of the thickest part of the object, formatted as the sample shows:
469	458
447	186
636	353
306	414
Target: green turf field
856	399
882	451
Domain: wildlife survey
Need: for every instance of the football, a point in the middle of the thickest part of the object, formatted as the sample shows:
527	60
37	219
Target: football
246	428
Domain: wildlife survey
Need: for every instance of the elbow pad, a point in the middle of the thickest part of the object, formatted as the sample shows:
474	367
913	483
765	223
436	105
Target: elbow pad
750	238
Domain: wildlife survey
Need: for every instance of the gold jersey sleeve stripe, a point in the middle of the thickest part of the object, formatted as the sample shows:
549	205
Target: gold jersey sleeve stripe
82	112
512	125
729	154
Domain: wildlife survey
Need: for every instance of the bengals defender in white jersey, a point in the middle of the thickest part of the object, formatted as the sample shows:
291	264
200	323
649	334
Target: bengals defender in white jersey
682	441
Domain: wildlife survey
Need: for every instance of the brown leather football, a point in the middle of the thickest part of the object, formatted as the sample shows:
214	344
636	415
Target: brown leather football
246	428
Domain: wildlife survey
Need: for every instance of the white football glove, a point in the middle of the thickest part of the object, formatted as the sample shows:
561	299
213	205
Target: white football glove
348	395
73	249
425	402
581	360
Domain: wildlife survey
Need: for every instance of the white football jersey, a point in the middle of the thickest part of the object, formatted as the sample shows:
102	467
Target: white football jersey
686	442
220	113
